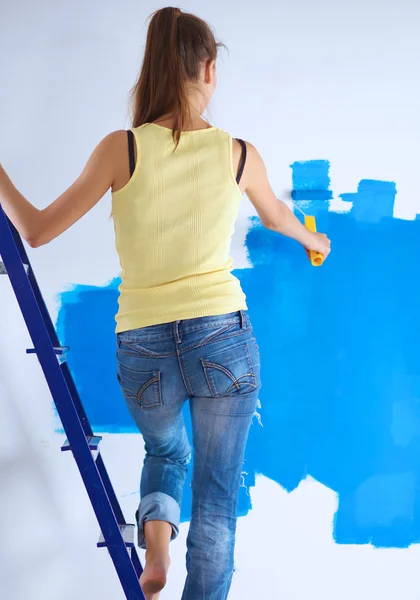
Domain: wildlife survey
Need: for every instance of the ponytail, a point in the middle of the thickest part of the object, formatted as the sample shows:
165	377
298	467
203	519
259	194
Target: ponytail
176	45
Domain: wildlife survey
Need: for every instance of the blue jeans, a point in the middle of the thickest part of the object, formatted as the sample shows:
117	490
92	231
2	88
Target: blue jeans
213	362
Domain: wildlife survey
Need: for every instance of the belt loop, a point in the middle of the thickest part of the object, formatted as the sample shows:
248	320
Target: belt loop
242	318
176	332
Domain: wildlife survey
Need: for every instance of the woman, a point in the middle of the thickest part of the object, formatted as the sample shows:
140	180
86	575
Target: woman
183	330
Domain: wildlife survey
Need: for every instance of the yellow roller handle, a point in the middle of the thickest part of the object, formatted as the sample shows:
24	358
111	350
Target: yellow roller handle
316	258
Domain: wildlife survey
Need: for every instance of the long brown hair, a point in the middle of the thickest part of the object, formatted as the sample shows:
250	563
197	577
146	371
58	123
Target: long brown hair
176	46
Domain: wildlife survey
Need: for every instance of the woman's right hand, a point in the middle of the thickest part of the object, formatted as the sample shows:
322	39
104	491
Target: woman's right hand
318	242
275	214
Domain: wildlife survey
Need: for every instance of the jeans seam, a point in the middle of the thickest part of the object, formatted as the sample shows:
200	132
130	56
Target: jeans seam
144	352
137	404
210	325
184	375
135	340
237	385
225	337
217	333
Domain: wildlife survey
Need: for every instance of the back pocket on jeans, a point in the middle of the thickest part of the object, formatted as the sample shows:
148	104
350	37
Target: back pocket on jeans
141	388
229	372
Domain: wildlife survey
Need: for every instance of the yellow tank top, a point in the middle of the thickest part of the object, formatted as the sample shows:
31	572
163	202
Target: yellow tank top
173	222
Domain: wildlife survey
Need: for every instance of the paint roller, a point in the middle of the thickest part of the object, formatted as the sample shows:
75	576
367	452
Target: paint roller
316	258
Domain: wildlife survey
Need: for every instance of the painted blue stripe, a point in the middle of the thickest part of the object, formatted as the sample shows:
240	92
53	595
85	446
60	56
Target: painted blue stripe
311	195
373	200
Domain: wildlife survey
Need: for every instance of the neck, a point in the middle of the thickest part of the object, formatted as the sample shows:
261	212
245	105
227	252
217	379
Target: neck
196	120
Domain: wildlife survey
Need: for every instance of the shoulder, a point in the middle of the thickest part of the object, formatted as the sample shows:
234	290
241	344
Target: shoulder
115	139
252	154
250	148
254	158
112	143
113	146
237	143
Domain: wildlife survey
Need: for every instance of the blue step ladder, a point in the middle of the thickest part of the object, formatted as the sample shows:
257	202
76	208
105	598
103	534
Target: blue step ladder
117	536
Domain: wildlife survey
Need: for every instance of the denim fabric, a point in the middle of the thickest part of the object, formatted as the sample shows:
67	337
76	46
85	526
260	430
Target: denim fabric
214	363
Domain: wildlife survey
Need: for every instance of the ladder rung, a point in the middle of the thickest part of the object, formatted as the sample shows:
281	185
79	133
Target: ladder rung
127	532
92	440
3	270
60	350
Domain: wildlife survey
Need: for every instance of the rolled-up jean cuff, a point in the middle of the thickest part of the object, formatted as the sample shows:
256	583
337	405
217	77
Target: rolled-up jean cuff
157	506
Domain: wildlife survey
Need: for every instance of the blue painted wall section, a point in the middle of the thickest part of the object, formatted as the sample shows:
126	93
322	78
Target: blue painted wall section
311	182
340	360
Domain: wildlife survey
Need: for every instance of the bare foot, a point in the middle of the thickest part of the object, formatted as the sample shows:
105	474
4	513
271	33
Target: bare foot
153	578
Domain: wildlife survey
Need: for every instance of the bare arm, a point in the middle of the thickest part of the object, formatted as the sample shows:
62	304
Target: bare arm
274	213
39	227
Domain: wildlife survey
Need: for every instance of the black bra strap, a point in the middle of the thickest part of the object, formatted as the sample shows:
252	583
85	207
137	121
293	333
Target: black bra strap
131	156
242	162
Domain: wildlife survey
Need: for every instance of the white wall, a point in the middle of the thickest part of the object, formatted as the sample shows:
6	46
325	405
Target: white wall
304	80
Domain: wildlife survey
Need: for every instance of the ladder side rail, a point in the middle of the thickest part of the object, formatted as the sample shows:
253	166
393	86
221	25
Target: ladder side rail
63	399
31	276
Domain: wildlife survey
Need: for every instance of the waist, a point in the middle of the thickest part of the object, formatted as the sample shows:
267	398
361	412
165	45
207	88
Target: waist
183	326
192	297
